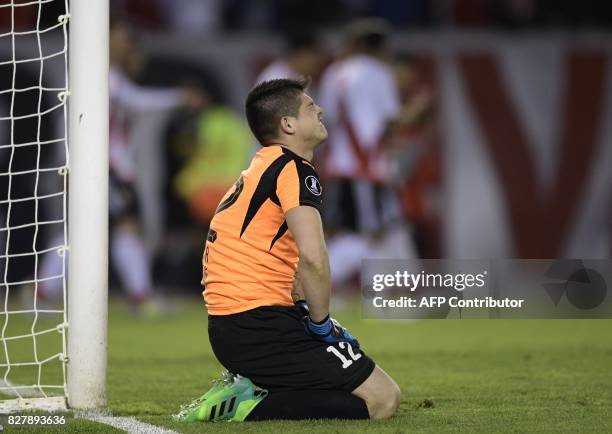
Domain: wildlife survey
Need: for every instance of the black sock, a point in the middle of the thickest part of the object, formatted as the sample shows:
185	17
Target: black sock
310	404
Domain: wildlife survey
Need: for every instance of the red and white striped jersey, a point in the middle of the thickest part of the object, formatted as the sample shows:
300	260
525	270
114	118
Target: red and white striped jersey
359	96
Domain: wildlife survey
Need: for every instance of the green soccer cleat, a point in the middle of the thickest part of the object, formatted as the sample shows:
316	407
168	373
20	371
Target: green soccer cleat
231	399
226	380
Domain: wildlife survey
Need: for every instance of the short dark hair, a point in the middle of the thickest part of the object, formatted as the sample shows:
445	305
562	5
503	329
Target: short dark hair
269	101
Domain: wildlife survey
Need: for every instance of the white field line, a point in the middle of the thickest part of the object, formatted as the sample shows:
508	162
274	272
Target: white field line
129	424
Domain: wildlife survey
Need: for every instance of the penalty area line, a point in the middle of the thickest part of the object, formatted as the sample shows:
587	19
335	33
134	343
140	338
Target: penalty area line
128	424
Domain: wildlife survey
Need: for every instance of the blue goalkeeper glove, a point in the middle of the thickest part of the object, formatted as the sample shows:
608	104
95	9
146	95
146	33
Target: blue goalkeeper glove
329	330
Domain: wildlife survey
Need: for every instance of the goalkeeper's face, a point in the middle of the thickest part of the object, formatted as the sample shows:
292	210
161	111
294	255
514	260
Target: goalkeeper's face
310	128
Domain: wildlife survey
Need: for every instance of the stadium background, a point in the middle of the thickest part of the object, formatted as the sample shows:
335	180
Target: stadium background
517	165
515	162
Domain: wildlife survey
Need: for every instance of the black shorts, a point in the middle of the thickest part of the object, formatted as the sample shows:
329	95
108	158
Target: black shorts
359	206
269	346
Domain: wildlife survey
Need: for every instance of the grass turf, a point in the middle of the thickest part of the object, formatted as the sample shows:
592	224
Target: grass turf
456	375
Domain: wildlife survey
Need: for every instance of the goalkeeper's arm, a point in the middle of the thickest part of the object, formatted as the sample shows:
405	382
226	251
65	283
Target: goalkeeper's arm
304	222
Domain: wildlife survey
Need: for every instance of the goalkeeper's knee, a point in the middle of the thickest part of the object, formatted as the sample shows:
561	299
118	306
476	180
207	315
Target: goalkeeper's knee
387	406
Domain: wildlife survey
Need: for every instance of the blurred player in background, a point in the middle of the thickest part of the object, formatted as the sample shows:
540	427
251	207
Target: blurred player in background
363	109
128	254
127	249
220	145
307	364
416	154
303	58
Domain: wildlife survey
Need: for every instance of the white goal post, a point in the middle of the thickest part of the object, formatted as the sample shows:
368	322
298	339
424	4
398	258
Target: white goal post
54	132
88	131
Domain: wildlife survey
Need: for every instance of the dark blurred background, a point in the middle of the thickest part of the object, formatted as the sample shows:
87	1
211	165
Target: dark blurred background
509	153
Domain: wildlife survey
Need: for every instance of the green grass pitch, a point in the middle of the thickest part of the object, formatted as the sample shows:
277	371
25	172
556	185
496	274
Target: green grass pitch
456	375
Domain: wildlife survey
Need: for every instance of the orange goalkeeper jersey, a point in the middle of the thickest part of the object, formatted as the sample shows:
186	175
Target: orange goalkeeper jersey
250	258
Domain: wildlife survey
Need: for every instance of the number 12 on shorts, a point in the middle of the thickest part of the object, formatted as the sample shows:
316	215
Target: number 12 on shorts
345	361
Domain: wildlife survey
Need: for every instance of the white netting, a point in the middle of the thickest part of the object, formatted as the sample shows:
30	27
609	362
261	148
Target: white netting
33	182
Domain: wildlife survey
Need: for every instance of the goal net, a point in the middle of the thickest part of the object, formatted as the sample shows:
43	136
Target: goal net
33	203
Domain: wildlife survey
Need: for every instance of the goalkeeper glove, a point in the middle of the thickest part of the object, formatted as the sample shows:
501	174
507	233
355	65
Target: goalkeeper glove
329	330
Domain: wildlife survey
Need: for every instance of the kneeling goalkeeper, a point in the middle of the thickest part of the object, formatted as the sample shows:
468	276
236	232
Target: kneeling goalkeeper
267	228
